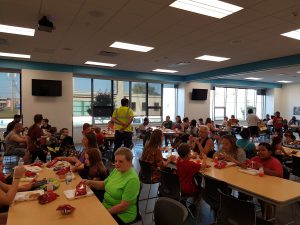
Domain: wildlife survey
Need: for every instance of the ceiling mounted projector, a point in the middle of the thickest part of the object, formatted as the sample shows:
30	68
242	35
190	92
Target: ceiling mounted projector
45	25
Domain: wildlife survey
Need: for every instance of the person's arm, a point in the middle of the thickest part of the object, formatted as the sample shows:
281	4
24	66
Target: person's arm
99	185
207	148
69	159
4	187
283	151
78	167
19	139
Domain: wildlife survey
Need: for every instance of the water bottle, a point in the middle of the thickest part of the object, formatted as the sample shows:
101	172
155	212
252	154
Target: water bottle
48	158
21	162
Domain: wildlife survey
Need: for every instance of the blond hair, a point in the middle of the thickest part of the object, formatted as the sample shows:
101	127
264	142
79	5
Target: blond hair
126	152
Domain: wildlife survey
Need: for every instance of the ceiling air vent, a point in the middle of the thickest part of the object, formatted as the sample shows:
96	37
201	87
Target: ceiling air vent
108	54
179	64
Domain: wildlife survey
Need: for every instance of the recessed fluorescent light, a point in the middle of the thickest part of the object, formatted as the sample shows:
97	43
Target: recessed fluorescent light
292	34
213	8
16	30
165	71
298	71
14	55
284	81
212	58
100	64
132	47
253	78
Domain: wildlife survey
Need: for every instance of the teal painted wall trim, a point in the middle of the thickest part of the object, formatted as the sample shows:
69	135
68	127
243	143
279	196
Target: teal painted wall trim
129	75
252	84
249	67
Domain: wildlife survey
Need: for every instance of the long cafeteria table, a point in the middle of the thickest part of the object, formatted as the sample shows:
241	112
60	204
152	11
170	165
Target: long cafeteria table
89	210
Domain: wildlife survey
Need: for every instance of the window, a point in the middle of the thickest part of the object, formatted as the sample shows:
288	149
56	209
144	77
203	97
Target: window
154	102
169	101
121	90
143	106
133	106
138	95
235	101
10	95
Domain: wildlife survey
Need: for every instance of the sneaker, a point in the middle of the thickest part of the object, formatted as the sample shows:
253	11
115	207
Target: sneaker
192	209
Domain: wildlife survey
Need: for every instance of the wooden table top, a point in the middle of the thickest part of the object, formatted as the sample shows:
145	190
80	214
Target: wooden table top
89	210
289	150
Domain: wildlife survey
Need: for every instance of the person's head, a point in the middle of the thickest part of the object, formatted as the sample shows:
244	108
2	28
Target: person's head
185	120
92	157
45	121
203	131
92	141
276	140
265	151
268	116
225	118
272	117
124	102
183	150
245	133
277	114
123	159
18	127
167	118
229	143
155	140
250	111
232	117
86	127
290	138
146	121
294	118
285	122
193	123
97	130
208	120
38	118
178	119
17	118
64	132
110	123
53	130
200	120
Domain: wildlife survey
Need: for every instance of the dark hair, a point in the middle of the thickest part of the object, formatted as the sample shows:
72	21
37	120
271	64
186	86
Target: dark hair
245	133
200	119
92	140
96	167
62	130
208	120
277	113
155	140
268	147
17	116
179	118
46	120
193	123
146	119
38	118
250	111
232	141
97	129
272	117
124	102
183	150
53	130
185	119
276	140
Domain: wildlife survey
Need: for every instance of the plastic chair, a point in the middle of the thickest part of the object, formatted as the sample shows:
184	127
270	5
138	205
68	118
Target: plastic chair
169	212
138	216
211	194
198	181
233	211
169	185
145	176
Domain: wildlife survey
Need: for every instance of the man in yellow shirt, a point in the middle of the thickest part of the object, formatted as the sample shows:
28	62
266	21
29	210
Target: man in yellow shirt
122	117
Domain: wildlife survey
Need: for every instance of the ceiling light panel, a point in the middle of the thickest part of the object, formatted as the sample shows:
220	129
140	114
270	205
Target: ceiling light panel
14	55
253	78
165	71
295	34
284	81
100	64
213	8
212	58
16	30
132	47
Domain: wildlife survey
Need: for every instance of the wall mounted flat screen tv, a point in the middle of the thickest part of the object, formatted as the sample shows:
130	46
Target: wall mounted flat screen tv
46	87
199	94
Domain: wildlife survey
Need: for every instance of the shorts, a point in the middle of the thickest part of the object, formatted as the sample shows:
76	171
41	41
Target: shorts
16	151
254	130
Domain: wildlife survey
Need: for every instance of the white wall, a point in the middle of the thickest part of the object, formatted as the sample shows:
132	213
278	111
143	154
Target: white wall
192	108
57	109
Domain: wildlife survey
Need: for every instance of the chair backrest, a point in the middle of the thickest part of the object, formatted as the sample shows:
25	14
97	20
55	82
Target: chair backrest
169	212
145	173
233	211
198	180
211	194
169	185
286	172
296	166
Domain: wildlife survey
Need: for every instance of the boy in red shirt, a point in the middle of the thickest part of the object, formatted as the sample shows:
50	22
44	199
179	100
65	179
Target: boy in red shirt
100	137
270	164
278	123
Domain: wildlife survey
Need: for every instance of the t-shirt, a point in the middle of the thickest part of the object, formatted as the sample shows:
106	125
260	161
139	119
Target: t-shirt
252	120
34	134
100	138
122	186
10	143
185	171
247	145
272	164
239	156
168	124
123	114
10	126
277	122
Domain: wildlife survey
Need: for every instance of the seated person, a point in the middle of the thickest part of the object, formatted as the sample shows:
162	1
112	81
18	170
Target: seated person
144	127
224	123
203	144
184	137
233	121
230	151
11	125
246	144
168	124
66	142
111	126
289	138
267	118
152	154
270	164
121	187
45	125
277	146
179	129
93	169
100	137
201	122
186	170
193	128
210	125
293	121
15	142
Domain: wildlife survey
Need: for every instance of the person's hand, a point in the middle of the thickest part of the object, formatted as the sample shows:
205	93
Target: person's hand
28	187
19	172
197	140
228	158
77	164
86	182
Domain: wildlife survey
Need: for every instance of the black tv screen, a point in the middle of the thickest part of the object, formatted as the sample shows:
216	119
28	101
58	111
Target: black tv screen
46	87
199	94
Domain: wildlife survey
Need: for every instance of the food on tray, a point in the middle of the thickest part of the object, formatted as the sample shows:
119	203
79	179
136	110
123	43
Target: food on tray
80	189
47	197
37	163
52	163
63	171
33	196
221	164
65	209
30	174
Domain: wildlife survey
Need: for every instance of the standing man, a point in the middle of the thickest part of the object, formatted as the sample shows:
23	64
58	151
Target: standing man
11	125
123	117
